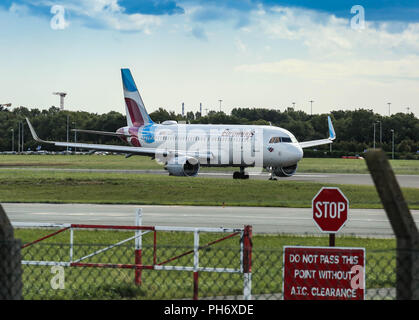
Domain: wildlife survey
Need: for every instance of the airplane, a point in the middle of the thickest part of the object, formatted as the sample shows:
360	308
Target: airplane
184	148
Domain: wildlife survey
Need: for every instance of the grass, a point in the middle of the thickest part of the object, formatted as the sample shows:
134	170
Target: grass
94	283
79	162
310	165
118	188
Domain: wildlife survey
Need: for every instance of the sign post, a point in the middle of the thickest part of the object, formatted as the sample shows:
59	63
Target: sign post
324	273
330	211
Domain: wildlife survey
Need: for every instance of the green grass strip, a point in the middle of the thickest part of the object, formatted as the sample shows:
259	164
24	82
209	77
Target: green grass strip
67	187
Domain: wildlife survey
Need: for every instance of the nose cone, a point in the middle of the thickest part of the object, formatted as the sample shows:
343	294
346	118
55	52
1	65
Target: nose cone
290	155
299	152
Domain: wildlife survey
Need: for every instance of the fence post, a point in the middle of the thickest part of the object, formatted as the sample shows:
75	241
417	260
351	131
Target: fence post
196	265
247	263
10	261
138	247
404	227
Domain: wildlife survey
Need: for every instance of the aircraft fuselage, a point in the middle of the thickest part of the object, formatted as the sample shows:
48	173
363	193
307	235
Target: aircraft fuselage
229	145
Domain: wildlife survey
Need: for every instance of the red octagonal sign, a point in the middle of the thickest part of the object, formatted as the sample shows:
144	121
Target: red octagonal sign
330	209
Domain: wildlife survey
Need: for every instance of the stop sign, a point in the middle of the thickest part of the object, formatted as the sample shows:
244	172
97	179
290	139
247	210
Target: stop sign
330	209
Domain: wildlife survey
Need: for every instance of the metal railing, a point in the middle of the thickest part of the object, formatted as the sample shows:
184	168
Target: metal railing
156	262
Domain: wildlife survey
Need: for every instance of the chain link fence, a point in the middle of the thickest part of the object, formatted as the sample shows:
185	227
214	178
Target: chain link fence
110	275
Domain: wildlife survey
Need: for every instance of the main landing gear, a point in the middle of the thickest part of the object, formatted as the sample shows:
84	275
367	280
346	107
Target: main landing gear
240	174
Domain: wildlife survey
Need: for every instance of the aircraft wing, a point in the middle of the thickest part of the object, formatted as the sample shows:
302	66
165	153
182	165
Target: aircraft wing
152	152
313	143
105	133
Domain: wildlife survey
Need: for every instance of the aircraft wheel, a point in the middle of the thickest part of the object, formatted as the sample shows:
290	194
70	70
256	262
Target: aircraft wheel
239	175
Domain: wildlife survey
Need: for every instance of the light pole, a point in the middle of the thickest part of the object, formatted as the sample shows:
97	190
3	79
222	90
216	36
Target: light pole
75	135
311	107
389	113
18	137
23	137
13	139
392	144
381	132
220	103
68	125
374	132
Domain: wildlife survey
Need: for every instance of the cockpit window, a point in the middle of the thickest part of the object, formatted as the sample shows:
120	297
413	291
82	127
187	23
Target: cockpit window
293	139
280	139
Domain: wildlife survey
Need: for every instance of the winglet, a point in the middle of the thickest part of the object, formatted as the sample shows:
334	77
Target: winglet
332	134
34	135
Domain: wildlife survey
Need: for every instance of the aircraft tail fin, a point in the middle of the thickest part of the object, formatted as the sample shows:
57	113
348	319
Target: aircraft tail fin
137	115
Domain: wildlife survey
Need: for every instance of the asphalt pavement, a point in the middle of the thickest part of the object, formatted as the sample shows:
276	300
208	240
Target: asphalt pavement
297	221
405	181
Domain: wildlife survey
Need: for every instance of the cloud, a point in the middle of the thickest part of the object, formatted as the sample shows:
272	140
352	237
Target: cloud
380	71
26	7
199	33
333	50
156	7
329	36
208	13
376	10
145	14
121	15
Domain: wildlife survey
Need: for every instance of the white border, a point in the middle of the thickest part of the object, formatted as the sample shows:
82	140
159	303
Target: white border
308	247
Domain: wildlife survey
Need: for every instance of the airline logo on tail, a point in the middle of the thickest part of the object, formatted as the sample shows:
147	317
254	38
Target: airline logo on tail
137	115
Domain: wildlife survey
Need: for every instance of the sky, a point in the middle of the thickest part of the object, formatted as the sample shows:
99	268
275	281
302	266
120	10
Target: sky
343	55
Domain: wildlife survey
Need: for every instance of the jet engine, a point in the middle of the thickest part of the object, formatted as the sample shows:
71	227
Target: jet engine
285	171
183	166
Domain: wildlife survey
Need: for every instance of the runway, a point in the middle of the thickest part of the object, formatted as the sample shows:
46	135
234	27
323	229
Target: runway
362	222
405	181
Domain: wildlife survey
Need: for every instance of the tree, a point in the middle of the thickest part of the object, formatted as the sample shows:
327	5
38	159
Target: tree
354	129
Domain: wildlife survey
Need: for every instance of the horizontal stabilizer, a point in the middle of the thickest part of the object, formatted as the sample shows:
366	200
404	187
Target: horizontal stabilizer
124	149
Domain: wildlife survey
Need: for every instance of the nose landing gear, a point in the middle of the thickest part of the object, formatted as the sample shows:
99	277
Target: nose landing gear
272	174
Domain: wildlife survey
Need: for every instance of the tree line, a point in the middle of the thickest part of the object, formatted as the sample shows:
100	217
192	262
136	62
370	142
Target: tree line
354	129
